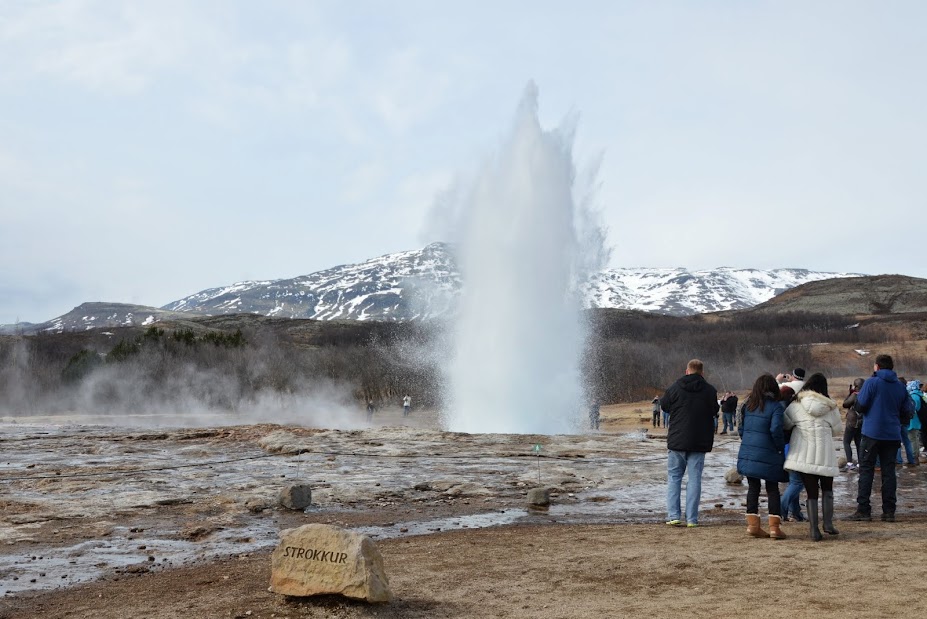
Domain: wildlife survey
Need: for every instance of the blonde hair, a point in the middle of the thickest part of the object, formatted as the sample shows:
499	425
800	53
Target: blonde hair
695	366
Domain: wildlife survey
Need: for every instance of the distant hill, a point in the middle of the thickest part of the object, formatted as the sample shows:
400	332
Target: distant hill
100	316
874	295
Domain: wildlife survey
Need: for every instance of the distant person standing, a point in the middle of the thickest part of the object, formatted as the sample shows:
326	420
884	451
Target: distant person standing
370	409
791	498
882	401
728	410
851	433
905	438
594	415
692	404
406	405
922	415
656	411
915	427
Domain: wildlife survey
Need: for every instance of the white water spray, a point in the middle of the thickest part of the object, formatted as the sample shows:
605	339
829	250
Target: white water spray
526	241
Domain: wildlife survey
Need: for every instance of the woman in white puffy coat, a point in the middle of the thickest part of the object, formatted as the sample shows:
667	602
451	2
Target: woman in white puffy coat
814	420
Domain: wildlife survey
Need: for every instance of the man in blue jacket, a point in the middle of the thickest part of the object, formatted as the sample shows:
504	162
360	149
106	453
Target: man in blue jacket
692	404
882	401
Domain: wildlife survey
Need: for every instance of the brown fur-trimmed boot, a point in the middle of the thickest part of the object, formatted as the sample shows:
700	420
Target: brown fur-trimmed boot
774	531
753	526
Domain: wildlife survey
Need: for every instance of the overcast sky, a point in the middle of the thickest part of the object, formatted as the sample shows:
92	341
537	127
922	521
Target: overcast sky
149	150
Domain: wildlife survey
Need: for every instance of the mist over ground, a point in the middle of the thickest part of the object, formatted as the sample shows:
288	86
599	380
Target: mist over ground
250	369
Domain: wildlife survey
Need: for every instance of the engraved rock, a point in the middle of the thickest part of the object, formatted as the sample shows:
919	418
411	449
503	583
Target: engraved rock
297	496
320	559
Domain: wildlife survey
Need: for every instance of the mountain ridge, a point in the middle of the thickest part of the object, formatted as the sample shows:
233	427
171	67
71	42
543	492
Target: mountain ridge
425	284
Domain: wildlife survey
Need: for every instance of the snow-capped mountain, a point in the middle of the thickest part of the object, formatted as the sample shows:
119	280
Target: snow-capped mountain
681	292
425	283
408	285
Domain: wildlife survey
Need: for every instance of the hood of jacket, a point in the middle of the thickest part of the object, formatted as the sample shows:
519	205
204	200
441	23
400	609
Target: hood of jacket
816	404
888	376
693	383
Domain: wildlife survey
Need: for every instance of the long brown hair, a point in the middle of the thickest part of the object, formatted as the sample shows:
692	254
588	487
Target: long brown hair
765	388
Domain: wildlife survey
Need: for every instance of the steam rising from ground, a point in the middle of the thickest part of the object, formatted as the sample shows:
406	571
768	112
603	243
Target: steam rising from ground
527	238
155	391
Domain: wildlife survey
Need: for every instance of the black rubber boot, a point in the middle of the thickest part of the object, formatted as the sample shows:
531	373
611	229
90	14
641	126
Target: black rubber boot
813	520
827	507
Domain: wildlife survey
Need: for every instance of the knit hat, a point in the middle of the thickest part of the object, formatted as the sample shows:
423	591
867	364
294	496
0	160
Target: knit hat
799	373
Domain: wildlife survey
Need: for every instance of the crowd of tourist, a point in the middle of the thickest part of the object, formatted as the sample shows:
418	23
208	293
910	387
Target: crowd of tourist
789	426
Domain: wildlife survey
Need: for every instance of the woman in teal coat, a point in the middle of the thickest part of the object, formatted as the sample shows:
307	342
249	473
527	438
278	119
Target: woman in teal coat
761	454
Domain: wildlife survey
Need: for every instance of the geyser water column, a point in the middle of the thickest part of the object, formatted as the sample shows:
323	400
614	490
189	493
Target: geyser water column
516	365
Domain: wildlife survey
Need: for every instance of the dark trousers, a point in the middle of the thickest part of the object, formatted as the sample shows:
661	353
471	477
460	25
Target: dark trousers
772	495
870	449
656	419
851	436
811	485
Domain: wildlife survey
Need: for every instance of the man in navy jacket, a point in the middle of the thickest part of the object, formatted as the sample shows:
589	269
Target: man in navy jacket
881	401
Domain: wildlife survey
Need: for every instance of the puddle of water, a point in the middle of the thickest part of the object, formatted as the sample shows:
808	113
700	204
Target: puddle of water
472	521
52	568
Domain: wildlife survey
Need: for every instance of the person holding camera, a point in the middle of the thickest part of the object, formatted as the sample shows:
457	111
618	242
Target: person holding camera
795	381
852	432
728	411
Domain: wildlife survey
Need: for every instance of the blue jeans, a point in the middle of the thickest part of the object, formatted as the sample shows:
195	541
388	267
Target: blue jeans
791	502
676	466
665	419
908	449
728	422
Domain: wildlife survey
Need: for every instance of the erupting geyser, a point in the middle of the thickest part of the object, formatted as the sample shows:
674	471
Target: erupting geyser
527	240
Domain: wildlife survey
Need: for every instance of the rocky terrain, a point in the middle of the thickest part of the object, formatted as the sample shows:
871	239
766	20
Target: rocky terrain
104	521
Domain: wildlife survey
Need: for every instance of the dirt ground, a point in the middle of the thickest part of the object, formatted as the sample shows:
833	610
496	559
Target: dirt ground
620	568
554	571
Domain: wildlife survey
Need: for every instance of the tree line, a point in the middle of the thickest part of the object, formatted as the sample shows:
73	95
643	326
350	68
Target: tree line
225	363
